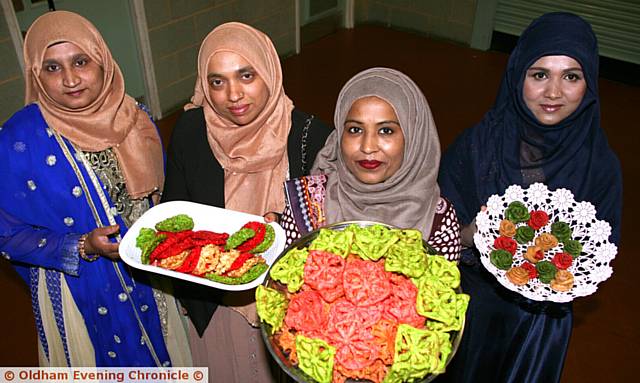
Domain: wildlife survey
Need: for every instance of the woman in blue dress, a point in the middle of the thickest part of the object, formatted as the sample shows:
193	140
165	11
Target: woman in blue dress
80	163
544	127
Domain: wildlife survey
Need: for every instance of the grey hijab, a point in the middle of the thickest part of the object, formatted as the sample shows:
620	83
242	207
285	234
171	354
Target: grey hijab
408	198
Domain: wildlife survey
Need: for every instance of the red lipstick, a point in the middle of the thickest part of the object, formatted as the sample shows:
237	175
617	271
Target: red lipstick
369	164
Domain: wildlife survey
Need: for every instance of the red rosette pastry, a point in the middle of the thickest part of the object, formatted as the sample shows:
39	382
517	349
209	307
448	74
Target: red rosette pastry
400	306
562	260
533	273
365	282
323	272
306	312
506	243
538	219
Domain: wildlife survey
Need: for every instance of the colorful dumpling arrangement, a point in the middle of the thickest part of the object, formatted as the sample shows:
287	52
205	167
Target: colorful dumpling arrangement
364	303
220	257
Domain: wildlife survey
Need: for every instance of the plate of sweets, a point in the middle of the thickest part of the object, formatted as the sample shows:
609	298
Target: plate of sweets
543	244
216	247
361	302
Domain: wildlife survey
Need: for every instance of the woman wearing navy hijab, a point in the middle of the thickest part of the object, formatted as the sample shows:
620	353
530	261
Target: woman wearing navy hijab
544	127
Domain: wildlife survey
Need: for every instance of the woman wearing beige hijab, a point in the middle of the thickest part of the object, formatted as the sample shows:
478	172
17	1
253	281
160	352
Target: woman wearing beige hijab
81	162
380	164
237	143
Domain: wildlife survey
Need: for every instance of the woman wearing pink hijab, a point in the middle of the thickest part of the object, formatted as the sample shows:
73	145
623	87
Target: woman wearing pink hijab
237	143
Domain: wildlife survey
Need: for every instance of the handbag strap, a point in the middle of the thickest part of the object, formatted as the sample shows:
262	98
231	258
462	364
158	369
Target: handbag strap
303	146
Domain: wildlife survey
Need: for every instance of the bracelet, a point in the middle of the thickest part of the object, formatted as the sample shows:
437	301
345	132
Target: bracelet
83	255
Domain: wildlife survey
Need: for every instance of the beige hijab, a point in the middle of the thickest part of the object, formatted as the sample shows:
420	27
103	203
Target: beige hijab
254	156
113	120
408	199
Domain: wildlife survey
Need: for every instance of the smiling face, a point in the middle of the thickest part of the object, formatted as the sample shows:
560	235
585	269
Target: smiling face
238	93
70	77
553	88
372	141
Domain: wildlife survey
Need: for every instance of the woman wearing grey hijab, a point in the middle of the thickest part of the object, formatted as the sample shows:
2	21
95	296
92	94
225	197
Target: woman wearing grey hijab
380	164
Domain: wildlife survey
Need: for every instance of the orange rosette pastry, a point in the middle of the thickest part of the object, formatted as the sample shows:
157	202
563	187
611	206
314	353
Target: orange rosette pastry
562	282
518	275
546	241
507	228
534	254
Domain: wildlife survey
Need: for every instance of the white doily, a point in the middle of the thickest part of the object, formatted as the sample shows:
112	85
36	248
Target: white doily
588	269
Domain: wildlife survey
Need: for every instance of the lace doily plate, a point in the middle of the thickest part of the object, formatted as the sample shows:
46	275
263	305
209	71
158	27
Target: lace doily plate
589	268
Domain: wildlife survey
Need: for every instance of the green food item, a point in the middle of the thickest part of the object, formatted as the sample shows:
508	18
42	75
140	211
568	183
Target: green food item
407	256
418	353
333	241
269	237
176	223
561	230
290	269
373	242
315	358
501	259
517	212
438	302
144	236
238	238
524	234
546	271
150	246
247	277
271	306
573	247
438	267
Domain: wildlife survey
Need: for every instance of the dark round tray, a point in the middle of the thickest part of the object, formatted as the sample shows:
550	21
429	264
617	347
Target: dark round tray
294	372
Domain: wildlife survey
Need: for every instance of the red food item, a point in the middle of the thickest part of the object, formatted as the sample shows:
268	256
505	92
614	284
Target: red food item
533	273
538	219
323	272
191	262
403	311
254	241
204	237
175	244
242	258
562	260
356	354
306	312
365	282
506	243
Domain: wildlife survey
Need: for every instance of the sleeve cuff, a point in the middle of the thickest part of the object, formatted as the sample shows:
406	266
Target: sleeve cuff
70	257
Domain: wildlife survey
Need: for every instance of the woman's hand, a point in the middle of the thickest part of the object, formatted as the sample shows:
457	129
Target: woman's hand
98	242
271	217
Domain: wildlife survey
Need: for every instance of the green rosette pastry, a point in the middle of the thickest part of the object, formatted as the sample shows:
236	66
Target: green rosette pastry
315	358
271	306
501	259
373	242
546	271
290	269
524	234
176	223
573	247
418	353
334	241
443	270
517	212
561	230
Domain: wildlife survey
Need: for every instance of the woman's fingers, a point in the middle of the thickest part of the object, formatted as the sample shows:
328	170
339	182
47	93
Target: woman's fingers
271	217
98	241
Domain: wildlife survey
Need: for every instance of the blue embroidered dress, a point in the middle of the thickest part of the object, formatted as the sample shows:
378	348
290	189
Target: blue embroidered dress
87	313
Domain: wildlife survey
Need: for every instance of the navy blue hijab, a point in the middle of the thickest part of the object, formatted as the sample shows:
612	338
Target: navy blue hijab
509	146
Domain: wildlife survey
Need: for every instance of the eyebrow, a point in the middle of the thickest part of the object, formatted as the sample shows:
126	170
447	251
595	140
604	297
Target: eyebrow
377	123
247	68
74	57
547	70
